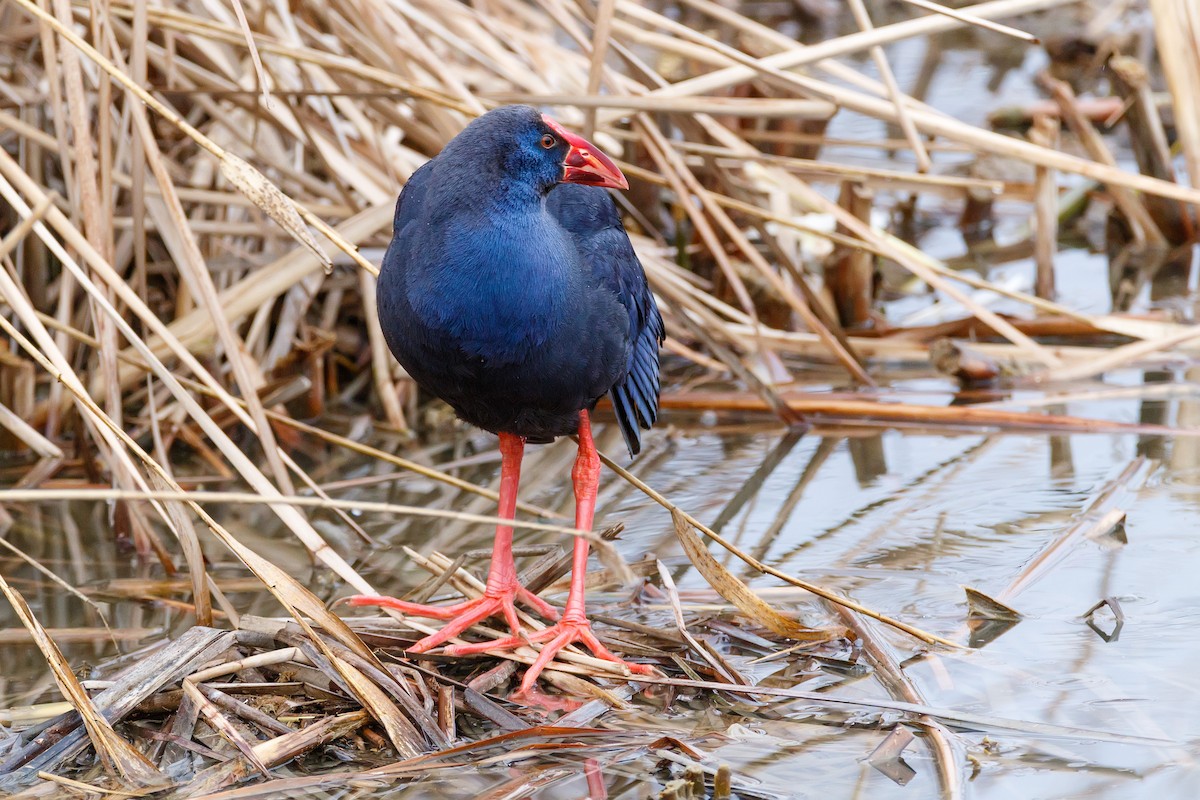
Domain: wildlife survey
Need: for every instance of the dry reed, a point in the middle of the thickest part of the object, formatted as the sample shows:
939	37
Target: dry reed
192	214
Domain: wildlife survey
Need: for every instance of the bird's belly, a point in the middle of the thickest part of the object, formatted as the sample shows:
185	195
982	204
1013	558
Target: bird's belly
531	390
517	398
521	362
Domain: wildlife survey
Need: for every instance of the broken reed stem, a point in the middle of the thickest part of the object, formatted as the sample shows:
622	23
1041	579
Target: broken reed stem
863	19
1045	133
251	498
1145	228
970	19
1177	28
600	37
1100	516
943	745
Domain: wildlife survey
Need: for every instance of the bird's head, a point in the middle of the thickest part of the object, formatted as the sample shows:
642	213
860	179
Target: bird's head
530	147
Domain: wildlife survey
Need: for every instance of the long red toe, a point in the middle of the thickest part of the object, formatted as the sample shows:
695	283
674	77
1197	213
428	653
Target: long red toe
496	601
573	629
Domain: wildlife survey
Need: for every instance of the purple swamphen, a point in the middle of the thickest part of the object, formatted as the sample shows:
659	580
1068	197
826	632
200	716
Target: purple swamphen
511	291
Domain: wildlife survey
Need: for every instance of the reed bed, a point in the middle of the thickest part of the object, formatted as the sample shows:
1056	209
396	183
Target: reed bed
195	196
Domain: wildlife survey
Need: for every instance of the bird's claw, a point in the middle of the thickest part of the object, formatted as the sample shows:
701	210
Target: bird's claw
494	602
571	629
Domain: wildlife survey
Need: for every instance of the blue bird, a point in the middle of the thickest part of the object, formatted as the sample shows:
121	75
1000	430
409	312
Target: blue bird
511	291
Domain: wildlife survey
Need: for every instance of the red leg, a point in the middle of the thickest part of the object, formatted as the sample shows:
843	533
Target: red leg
574	626
502	590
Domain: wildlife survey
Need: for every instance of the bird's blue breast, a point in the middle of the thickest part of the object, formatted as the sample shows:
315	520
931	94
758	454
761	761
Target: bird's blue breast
497	288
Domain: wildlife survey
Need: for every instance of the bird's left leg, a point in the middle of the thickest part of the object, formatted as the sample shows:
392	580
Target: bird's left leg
574	625
503	589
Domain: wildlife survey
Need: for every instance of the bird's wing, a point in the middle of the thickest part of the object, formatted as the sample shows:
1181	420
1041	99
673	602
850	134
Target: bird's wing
412	196
591	216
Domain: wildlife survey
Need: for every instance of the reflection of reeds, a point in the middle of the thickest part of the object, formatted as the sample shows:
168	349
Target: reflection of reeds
180	198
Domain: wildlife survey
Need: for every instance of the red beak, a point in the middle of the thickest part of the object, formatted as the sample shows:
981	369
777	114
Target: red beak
585	163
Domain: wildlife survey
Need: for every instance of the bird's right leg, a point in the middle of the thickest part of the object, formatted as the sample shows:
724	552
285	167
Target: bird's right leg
502	591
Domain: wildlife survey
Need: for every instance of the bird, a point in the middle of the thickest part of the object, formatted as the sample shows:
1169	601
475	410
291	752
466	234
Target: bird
511	291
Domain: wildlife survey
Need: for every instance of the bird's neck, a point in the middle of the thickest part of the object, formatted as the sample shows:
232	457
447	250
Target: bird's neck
488	189
515	198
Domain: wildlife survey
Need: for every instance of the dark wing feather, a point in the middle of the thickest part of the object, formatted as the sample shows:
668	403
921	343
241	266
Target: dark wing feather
412	196
590	214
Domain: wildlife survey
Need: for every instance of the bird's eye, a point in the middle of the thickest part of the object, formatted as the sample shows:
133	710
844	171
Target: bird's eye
549	141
